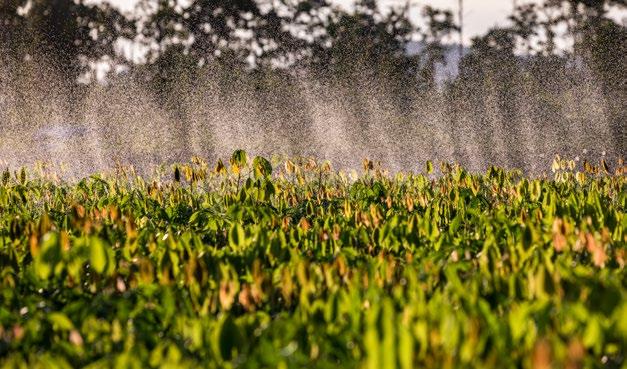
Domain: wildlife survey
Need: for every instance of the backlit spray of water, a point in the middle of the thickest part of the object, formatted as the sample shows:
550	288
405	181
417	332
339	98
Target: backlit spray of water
122	122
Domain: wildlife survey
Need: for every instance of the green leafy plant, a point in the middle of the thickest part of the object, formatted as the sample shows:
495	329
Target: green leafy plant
301	266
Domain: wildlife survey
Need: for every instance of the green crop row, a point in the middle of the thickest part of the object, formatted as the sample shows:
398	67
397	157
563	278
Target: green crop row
253	264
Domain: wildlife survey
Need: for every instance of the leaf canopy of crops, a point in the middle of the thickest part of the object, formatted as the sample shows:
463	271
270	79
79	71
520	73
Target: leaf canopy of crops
289	264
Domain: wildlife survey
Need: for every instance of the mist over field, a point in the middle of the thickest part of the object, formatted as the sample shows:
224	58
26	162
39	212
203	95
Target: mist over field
337	85
341	120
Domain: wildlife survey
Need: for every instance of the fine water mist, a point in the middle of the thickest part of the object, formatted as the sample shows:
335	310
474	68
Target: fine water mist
343	120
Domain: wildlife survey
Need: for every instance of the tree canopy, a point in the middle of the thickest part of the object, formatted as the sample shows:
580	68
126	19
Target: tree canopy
246	35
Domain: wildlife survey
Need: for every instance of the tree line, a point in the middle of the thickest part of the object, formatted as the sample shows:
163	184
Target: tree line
291	34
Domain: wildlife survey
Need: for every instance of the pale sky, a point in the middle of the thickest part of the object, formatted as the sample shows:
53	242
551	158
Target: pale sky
479	15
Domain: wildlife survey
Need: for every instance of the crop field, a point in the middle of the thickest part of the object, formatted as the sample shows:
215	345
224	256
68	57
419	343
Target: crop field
292	264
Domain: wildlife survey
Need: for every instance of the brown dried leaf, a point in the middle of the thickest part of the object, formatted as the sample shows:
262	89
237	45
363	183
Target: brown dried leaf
599	257
541	358
75	338
228	290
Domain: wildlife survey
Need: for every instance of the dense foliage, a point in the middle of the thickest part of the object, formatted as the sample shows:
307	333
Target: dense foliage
257	265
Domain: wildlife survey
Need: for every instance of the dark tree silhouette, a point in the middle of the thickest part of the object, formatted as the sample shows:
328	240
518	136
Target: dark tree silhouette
12	24
368	37
63	33
440	26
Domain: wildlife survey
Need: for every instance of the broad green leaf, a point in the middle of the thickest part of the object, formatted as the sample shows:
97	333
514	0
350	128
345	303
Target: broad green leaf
263	168
60	321
239	158
227	338
49	255
429	167
97	254
593	335
237	236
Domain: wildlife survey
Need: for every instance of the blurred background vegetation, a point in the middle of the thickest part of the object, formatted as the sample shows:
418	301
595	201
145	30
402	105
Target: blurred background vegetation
167	45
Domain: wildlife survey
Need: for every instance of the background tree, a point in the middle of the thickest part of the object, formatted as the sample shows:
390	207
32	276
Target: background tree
291	35
65	34
368	37
237	33
440	27
12	23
